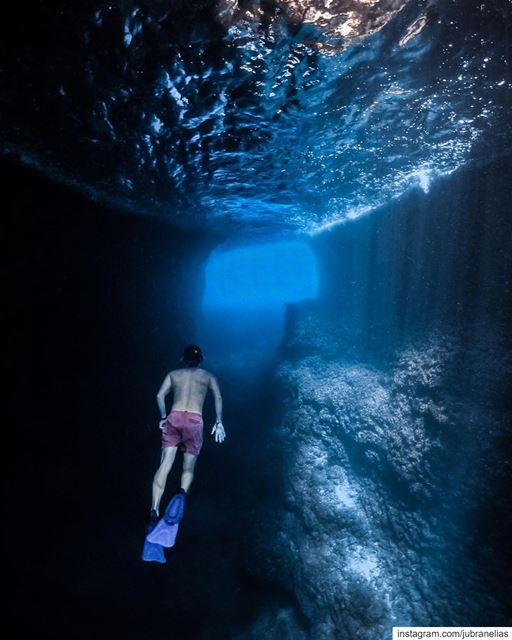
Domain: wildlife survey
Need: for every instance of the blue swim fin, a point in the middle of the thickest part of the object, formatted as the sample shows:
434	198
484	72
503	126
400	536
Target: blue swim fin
163	535
174	512
152	552
165	532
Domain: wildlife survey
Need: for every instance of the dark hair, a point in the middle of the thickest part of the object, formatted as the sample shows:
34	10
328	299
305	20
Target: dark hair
192	355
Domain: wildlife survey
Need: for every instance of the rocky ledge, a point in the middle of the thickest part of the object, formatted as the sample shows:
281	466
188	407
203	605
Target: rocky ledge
389	470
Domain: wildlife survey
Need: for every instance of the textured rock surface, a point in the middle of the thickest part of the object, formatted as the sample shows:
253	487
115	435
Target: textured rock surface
293	114
385	473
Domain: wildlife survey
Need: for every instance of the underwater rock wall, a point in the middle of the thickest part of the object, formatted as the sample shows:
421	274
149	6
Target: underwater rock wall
431	258
385	474
261	115
395	426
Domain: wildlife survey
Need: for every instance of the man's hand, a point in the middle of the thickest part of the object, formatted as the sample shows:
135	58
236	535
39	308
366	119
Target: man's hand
162	423
218	431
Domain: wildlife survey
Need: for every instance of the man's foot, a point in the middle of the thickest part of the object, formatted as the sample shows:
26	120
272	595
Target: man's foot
174	511
153	520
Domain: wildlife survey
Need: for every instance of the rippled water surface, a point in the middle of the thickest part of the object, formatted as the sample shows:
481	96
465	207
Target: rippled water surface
257	115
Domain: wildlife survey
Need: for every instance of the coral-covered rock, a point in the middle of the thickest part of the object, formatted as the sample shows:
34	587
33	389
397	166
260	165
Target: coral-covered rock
382	476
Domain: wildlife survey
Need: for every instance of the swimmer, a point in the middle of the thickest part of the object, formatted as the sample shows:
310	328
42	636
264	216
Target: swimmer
182	428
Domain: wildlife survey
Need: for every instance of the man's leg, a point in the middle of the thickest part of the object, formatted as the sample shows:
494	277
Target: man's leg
168	456
187	475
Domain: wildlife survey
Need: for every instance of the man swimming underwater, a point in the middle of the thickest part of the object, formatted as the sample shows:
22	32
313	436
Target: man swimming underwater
183	427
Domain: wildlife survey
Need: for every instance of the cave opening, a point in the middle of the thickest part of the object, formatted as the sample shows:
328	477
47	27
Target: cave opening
247	288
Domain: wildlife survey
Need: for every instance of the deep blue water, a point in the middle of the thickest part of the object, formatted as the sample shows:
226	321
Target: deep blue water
242	318
318	193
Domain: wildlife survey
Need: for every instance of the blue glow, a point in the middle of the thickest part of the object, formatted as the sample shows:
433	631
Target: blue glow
261	275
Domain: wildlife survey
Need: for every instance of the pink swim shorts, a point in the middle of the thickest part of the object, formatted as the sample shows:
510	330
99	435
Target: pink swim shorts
184	429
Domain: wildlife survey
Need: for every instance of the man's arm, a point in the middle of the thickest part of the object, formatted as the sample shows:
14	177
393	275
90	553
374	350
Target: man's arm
218	428
160	396
214	386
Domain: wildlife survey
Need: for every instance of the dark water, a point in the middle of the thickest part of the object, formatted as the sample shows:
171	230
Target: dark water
366	478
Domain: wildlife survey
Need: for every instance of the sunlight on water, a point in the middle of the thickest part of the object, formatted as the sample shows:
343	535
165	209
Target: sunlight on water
297	118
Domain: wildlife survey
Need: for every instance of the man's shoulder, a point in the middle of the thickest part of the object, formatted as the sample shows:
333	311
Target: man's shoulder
187	370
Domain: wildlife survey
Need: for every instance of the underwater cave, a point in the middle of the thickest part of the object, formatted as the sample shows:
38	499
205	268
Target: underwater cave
318	194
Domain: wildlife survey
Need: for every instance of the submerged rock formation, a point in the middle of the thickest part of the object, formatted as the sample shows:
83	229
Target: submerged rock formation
282	114
386	471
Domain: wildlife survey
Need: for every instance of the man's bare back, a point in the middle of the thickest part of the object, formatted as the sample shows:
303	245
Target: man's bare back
189	388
